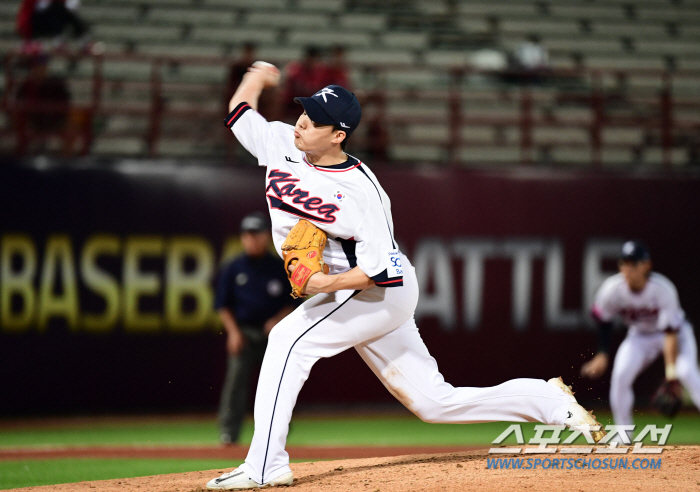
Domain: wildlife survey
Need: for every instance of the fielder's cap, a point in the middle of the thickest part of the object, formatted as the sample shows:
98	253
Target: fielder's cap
255	222
634	251
333	105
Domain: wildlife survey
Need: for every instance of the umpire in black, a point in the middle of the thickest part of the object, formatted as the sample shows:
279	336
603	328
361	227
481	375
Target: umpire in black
252	296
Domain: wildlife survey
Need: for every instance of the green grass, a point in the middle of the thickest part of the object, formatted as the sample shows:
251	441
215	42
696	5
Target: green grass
28	473
186	432
306	430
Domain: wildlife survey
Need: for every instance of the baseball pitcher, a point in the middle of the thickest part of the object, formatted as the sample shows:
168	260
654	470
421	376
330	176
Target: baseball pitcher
332	222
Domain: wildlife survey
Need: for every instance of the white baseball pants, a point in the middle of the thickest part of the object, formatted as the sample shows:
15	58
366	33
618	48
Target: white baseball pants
636	353
379	323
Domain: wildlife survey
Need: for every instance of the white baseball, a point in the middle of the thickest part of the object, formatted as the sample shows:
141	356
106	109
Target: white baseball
273	73
261	63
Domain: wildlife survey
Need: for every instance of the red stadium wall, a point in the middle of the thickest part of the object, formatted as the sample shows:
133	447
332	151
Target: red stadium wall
105	277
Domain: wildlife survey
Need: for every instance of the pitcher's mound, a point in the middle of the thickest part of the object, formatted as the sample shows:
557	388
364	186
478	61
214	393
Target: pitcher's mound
678	467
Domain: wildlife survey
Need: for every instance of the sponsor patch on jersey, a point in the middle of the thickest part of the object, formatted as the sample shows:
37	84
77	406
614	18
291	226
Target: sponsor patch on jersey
393	266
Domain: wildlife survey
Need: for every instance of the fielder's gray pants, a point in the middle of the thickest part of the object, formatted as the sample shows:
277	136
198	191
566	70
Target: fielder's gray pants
234	394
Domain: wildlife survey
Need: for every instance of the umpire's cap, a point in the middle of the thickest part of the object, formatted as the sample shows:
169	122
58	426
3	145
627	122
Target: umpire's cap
634	251
333	105
255	222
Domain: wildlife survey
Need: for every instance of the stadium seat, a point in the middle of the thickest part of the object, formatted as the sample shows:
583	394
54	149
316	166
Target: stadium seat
680	48
196	16
8	10
625	62
426	36
363	22
486	155
560	135
654	156
502	9
447	58
637	30
119	147
432	7
417	109
632	136
234	34
616	157
109	13
418	153
136	32
320	5
376	56
405	40
246	4
670	13
181	49
572	10
305	37
279	55
195	73
486	134
288	19
127	70
415	79
544	28
439	134
7	28
571	156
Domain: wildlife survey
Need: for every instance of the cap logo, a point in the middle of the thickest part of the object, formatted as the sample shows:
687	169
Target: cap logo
628	248
344	125
323	93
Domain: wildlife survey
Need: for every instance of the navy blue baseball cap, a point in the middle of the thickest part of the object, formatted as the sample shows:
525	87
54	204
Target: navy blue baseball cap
634	251
333	105
255	222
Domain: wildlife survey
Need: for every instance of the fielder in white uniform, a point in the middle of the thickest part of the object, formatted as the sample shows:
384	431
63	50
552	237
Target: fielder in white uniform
368	299
647	303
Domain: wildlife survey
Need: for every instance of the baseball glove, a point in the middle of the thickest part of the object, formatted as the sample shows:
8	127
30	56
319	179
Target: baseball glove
303	248
668	398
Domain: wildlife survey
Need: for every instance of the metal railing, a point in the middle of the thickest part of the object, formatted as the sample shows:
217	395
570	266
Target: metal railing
653	110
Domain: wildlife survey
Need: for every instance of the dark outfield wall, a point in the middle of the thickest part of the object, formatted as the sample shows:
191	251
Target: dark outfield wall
106	270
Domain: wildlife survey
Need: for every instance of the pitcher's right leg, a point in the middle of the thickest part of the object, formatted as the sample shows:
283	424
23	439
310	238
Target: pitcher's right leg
402	362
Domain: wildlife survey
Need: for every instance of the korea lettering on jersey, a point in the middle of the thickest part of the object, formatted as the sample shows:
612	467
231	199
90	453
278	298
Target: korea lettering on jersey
656	308
344	200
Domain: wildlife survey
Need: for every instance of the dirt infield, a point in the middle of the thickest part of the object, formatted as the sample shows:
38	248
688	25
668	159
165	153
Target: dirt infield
220	452
467	470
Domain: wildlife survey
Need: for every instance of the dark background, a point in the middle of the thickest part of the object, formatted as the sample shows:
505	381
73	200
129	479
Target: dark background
62	371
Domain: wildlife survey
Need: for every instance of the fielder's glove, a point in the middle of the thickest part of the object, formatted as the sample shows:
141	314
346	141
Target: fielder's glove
668	398
303	248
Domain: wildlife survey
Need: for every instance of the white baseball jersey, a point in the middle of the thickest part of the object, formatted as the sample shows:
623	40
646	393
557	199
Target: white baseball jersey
344	200
348	203
647	314
656	308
